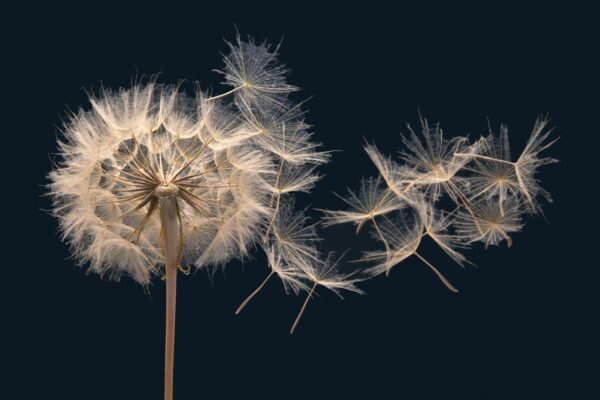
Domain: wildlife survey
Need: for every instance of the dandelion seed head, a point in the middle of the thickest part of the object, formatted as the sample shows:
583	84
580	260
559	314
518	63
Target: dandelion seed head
222	161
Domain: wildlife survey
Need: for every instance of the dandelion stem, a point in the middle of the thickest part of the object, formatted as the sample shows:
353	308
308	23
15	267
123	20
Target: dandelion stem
438	273
171	238
303	308
170	333
254	293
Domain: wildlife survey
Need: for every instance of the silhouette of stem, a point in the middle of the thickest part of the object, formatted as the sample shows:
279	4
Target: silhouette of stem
171	240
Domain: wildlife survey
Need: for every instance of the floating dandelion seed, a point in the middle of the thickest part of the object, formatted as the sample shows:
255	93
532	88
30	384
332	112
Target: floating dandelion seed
152	181
493	176
431	162
437	225
253	71
325	273
402	238
490	223
489	191
524	169
371	201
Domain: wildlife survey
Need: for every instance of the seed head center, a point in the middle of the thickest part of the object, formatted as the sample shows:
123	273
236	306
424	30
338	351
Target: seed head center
166	189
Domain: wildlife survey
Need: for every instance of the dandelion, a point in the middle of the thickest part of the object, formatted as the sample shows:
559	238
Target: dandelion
454	191
152	181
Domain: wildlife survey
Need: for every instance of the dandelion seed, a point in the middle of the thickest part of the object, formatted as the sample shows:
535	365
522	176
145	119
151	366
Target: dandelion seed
494	176
294	257
371	201
431	162
491	223
526	167
392	173
256	76
437	224
288	273
404	236
294	236
324	273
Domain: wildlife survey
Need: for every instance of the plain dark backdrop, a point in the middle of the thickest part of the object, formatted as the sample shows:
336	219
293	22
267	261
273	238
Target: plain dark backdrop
524	323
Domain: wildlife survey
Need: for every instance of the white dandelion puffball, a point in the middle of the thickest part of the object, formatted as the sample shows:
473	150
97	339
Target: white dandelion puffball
150	176
136	149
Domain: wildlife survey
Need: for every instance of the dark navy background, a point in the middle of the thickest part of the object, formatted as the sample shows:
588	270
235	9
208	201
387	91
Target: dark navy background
524	323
